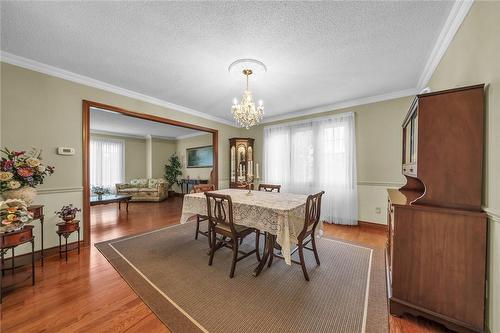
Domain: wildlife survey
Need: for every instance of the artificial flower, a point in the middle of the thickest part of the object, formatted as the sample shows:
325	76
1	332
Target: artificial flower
5	176
14	184
33	162
7	165
12	209
25	172
41	168
6	222
11	217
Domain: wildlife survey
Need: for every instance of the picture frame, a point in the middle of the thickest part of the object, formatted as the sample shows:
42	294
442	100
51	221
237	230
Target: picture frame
200	157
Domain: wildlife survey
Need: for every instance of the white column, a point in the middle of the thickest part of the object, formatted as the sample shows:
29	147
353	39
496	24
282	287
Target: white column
149	156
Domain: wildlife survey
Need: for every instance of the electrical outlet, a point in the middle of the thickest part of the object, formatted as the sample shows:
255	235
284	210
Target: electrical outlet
378	210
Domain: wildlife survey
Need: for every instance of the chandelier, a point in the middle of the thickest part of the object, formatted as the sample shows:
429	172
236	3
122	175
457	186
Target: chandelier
246	113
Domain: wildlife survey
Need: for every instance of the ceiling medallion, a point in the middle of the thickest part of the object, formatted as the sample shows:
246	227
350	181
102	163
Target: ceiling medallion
246	113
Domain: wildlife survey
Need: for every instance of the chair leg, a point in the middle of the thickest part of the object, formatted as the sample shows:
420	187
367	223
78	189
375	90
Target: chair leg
257	243
316	256
271	254
302	261
197	226
235	257
212	248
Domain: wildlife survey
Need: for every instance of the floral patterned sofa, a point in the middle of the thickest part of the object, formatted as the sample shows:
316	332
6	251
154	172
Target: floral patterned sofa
144	189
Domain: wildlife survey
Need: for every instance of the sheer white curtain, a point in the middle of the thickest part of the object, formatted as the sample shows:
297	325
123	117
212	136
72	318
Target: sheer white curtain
316	155
107	162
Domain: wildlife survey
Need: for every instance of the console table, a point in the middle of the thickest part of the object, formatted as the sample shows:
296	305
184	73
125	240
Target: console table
37	211
191	182
9	241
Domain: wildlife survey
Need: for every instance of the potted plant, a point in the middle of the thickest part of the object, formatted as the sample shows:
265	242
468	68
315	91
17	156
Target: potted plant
14	215
100	191
173	172
68	213
20	173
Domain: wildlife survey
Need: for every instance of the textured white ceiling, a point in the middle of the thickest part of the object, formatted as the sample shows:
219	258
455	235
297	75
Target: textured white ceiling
317	53
115	123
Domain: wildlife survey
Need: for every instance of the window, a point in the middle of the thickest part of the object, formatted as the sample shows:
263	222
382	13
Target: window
316	155
107	162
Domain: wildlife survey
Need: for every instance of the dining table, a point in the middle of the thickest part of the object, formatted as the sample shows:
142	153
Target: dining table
280	216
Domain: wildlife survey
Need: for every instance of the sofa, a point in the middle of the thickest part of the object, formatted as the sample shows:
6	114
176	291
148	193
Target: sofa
144	189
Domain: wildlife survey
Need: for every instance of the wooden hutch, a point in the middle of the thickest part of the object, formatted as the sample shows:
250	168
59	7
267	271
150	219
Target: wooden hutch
436	253
241	159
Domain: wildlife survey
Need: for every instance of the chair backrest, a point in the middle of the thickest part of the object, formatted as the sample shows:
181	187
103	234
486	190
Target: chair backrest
202	188
269	187
313	212
220	210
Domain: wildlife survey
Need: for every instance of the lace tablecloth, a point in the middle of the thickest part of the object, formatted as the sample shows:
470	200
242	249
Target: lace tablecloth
281	214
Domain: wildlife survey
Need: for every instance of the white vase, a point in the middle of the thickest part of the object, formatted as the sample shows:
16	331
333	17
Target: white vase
26	193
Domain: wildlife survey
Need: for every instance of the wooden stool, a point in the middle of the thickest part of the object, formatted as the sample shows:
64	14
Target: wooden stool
65	230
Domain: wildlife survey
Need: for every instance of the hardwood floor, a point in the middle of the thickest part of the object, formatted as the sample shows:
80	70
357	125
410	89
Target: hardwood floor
87	295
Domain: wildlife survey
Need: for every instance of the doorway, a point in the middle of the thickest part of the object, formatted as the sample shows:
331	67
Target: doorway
124	123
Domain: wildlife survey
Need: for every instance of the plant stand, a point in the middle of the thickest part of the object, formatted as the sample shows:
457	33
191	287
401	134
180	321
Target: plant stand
65	230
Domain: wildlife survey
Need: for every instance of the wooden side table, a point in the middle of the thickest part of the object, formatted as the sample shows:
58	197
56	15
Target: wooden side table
9	241
65	230
37	211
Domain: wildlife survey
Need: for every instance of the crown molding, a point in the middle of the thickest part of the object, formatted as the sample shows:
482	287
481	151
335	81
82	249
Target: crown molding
85	80
342	105
457	15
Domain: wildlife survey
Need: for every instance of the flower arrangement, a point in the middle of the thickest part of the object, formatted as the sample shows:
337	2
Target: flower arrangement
67	212
100	190
19	169
14	215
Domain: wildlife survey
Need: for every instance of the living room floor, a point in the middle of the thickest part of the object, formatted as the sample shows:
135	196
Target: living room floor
86	293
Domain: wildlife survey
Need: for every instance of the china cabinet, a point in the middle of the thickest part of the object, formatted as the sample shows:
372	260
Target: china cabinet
241	161
436	249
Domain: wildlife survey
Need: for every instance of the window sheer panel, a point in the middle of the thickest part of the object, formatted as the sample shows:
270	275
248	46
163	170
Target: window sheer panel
107	162
316	155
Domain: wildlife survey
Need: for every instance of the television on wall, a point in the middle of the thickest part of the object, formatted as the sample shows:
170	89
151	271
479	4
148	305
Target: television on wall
200	157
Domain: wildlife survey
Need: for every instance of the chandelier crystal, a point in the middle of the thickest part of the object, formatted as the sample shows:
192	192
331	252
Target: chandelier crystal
246	113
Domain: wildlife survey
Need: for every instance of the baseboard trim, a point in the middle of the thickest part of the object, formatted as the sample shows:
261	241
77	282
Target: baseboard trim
379	226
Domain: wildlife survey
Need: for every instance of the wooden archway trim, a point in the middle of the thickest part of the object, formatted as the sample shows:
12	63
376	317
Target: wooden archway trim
86	105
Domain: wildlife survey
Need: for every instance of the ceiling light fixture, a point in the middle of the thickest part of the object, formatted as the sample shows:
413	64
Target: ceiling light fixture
246	113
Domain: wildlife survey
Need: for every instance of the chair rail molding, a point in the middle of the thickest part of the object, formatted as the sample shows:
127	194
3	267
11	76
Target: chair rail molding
493	215
379	183
56	190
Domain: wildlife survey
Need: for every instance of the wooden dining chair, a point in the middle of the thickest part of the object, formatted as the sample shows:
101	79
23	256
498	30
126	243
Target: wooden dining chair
306	236
220	221
202	188
269	187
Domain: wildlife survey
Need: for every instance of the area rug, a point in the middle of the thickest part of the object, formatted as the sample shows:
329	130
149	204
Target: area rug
169	270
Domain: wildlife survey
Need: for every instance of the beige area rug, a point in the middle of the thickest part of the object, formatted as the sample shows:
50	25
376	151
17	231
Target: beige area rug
169	270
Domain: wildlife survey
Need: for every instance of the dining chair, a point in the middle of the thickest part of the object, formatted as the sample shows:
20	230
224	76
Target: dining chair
202	188
220	221
269	187
306	236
